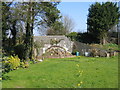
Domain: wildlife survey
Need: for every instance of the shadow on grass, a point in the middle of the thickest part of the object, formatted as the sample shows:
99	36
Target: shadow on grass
5	77
70	60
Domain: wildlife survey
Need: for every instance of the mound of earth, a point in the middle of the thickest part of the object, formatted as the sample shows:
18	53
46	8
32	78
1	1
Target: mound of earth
56	52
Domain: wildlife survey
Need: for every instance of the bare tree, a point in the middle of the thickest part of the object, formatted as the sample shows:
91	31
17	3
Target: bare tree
68	24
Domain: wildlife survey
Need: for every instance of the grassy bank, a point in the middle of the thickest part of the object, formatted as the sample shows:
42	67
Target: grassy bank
106	46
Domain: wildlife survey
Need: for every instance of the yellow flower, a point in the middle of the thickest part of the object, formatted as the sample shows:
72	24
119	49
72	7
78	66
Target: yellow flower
78	84
0	78
81	82
77	65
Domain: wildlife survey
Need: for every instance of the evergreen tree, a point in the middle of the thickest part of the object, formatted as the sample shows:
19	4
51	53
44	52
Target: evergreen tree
5	21
101	18
28	14
51	16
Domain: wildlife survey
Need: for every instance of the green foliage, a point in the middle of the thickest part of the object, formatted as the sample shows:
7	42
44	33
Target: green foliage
83	37
111	46
20	51
14	62
56	29
51	16
24	64
38	44
10	63
5	18
101	18
5	65
51	13
87	38
22	17
9	50
72	35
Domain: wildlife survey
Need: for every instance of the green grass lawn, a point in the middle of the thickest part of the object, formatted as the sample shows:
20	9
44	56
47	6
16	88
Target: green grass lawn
78	72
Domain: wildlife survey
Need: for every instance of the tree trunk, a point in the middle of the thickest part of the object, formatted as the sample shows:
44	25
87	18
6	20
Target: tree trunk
103	38
14	32
29	32
27	42
31	43
104	41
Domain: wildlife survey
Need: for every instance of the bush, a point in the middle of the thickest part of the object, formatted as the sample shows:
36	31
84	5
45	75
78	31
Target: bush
24	64
73	36
74	52
87	38
5	65
14	62
8	50
11	63
20	51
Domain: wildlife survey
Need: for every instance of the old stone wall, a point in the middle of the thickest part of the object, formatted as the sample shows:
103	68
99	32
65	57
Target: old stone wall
64	42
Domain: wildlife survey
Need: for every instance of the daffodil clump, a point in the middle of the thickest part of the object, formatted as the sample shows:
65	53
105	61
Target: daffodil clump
77	65
0	79
80	84
13	62
24	64
81	72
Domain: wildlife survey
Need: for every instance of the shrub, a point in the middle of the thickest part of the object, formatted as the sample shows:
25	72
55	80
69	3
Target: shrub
14	62
5	65
11	63
73	36
20	51
24	64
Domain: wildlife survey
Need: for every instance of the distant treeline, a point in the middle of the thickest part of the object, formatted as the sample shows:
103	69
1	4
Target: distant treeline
89	38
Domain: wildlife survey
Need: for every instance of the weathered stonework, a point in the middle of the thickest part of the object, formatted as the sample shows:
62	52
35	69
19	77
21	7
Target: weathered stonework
65	42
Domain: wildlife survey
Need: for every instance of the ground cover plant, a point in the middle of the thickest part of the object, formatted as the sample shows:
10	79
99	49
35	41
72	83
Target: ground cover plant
77	72
106	46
